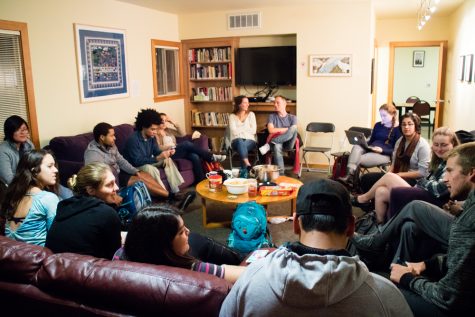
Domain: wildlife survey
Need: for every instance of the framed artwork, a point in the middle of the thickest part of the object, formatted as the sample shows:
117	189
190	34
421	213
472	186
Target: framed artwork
468	68
418	58
330	65
461	67
101	61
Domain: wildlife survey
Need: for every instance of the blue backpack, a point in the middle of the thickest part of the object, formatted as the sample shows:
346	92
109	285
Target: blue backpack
249	228
135	197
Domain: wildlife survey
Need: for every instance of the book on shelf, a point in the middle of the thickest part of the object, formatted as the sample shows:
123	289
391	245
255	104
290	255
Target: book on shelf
211	94
198	71
209	55
210	119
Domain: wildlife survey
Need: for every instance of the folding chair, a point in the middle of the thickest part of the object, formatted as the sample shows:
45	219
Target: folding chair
231	153
315	129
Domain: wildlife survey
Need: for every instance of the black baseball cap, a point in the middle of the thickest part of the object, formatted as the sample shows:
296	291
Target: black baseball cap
324	197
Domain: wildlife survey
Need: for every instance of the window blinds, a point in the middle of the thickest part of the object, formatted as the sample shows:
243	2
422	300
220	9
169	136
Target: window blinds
12	83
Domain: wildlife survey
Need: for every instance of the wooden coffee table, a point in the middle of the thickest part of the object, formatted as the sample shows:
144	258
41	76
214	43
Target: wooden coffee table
222	197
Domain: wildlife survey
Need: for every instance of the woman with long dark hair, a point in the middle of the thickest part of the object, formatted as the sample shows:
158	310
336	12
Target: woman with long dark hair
242	129
158	235
410	161
87	223
30	201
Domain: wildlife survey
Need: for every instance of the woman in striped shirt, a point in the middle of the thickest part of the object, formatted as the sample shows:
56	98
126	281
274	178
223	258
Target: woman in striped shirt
158	235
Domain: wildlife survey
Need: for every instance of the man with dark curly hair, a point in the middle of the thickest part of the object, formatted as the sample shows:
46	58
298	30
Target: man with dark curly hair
142	151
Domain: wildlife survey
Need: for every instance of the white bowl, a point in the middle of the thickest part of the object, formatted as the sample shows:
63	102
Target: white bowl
236	186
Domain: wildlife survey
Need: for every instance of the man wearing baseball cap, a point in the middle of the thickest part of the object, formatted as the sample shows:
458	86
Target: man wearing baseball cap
316	275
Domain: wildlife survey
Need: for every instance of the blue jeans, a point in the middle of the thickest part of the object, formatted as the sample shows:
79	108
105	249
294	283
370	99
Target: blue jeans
188	150
243	146
282	142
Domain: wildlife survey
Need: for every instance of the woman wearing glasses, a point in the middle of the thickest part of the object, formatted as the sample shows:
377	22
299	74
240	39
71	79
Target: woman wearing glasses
17	141
410	163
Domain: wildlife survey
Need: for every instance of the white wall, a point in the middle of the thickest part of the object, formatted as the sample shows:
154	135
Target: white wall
415	81
51	34
323	28
402	30
460	110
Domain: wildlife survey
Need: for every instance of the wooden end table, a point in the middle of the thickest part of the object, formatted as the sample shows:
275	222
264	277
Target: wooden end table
222	197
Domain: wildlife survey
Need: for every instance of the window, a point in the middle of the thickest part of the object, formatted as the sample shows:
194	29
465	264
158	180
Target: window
166	70
16	83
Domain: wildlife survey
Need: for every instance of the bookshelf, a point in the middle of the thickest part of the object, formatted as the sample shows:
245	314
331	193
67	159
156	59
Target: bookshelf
210	87
209	83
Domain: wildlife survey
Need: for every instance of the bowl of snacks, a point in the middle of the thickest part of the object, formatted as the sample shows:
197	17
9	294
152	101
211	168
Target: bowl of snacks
236	186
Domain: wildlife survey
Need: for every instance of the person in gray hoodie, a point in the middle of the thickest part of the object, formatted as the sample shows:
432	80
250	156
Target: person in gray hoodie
315	276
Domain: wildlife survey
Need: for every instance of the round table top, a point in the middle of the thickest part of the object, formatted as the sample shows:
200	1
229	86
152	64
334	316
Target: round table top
223	195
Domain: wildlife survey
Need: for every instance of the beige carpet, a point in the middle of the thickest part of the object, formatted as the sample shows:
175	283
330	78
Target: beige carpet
280	233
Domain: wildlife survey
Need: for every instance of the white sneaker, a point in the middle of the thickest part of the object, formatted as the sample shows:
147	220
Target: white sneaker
219	158
264	149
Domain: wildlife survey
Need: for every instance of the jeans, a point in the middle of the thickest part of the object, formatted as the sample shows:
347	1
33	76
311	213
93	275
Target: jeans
419	226
188	150
420	307
282	142
243	147
360	156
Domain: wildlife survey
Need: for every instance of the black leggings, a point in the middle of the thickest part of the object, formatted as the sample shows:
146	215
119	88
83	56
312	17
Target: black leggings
208	250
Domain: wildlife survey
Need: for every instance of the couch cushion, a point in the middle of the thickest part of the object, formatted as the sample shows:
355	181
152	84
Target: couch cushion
20	261
134	288
70	148
122	133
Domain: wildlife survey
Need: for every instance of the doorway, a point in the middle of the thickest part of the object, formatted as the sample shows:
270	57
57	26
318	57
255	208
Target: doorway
418	69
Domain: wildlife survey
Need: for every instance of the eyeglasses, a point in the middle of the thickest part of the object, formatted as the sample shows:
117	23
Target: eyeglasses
22	131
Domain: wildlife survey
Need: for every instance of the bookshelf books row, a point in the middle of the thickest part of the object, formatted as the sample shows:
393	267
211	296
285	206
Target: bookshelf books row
207	55
221	71
211	94
210	119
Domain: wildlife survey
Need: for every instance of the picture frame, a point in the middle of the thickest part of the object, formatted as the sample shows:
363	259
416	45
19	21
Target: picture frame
418	58
468	65
330	65
101	62
461	67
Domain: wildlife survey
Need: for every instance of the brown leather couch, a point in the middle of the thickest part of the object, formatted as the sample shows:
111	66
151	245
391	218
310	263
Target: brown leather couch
33	280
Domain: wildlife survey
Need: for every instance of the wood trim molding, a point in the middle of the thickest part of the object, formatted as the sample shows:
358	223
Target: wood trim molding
156	97
28	75
438	118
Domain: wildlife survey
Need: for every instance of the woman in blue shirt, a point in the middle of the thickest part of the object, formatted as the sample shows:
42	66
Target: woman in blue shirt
30	206
383	138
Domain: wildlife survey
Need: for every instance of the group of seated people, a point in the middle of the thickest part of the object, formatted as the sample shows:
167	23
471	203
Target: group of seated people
315	274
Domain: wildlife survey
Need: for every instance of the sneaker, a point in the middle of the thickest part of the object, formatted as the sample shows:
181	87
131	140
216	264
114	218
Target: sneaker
219	158
369	243
264	149
187	199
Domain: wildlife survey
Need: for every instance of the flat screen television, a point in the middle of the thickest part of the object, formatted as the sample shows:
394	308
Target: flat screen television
274	65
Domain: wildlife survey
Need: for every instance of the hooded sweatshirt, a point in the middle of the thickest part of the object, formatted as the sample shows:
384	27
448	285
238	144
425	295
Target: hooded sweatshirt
85	225
312	284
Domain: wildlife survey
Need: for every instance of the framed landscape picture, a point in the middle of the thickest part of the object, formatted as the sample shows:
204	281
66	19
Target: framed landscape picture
101	61
330	65
418	58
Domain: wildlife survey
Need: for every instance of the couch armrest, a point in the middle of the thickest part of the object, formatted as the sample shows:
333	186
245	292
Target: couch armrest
68	169
201	142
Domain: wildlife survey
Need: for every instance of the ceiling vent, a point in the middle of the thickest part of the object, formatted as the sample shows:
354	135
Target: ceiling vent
247	20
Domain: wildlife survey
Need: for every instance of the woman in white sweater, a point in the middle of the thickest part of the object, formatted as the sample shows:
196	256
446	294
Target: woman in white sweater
242	128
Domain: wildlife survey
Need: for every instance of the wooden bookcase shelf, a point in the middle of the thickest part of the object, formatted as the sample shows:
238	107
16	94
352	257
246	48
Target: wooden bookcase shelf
209	70
202	76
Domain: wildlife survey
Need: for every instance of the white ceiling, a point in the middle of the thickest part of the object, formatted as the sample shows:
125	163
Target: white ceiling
383	8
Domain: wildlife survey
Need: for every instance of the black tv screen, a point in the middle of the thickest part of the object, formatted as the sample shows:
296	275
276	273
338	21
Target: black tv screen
274	65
